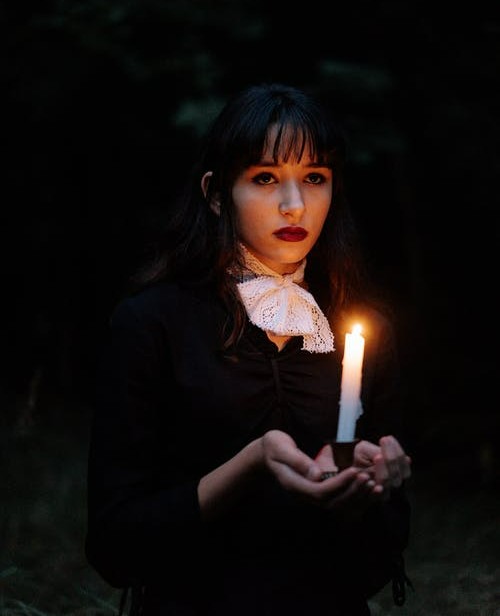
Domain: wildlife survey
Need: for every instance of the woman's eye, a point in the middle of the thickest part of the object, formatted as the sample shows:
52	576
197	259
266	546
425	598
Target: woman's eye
263	178
315	178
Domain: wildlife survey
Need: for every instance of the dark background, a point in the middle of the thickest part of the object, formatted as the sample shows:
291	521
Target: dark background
105	102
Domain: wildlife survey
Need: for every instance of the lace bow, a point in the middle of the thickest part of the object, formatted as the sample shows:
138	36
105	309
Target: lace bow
276	303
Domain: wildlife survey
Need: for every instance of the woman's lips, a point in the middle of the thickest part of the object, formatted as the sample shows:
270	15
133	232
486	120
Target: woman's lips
291	234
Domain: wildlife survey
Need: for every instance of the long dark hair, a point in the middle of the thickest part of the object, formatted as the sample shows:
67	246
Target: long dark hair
199	244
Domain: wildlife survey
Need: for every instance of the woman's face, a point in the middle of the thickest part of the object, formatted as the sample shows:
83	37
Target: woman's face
281	208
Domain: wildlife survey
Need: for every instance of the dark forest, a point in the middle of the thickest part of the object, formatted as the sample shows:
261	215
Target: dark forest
104	106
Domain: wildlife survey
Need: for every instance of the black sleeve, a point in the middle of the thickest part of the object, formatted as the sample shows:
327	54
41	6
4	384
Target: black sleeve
136	516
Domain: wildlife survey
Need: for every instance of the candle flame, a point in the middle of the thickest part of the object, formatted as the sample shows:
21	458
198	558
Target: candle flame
357	329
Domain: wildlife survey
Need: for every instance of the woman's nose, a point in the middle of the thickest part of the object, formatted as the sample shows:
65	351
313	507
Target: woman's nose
291	201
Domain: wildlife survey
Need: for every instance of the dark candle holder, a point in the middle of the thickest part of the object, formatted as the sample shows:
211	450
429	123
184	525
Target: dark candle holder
343	453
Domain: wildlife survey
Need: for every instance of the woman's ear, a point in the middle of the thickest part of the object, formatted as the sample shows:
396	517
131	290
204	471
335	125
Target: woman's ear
214	202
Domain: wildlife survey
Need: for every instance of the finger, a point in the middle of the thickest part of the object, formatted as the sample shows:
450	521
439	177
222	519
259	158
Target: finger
399	464
356	489
303	467
319	492
337	483
381	471
364	452
286	459
395	460
295	481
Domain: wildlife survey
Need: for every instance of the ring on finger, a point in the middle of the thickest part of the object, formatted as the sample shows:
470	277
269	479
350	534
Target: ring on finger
328	474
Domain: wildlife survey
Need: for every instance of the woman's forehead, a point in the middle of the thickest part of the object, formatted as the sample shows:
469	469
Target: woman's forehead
285	142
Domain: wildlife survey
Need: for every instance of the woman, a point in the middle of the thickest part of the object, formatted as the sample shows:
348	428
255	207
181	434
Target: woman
212	485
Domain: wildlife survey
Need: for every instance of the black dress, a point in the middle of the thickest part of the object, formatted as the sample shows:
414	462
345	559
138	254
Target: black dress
171	407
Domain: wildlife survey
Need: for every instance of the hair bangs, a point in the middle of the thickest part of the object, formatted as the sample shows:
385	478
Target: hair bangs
297	135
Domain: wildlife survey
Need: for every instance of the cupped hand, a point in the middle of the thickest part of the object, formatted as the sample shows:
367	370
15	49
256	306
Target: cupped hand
290	466
296	472
386	462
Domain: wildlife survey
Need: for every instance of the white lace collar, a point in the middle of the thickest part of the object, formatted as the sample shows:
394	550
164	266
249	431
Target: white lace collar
278	304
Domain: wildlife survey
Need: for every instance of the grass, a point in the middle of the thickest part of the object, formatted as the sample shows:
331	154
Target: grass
452	560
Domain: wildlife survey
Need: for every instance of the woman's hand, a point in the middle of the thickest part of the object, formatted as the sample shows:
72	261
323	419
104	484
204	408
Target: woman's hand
376	469
387	462
296	472
289	465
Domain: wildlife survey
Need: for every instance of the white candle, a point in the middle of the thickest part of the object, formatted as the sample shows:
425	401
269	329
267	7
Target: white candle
350	388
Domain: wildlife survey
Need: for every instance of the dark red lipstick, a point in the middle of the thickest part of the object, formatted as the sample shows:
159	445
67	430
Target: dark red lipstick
291	234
